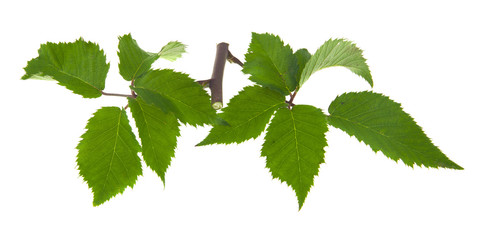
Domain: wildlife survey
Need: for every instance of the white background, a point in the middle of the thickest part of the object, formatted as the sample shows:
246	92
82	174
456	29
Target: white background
423	54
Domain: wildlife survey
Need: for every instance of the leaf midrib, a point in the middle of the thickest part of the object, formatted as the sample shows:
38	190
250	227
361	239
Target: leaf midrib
284	81
149	135
113	153
392	138
73	76
298	153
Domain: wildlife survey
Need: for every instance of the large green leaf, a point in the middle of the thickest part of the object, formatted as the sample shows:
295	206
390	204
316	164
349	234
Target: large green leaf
158	132
134	62
108	154
247	113
337	52
192	103
294	147
383	125
79	66
271	64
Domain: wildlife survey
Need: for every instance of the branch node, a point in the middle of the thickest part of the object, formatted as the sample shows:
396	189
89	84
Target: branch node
204	83
217	105
233	59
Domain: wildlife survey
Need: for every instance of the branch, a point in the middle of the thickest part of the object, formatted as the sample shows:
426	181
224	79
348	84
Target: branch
216	81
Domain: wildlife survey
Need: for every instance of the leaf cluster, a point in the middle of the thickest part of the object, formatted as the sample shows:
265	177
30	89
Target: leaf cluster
161	99
295	137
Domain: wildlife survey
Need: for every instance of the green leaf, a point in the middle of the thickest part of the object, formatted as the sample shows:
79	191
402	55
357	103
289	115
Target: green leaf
108	154
192	103
302	56
160	101
172	51
247	113
337	52
271	64
134	62
158	132
79	66
383	125
294	147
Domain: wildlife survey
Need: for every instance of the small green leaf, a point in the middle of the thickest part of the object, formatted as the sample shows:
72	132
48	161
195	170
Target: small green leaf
271	64
294	147
302	56
79	66
134	62
337	52
158	132
192	103
172	51
382	124
108	154
248	114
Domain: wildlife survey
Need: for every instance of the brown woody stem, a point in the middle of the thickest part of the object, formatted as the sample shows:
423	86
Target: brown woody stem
216	81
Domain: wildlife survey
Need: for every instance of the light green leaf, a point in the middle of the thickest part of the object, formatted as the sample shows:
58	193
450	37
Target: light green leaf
108	154
302	56
247	113
79	66
158	132
383	125
337	52
134	62
271	64
294	147
188	97
172	51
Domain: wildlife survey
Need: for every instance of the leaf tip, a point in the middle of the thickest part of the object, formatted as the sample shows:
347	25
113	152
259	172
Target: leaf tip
204	142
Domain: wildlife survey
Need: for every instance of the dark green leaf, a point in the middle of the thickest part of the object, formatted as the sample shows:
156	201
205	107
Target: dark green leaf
79	66
134	62
271	64
302	56
160	101
247	113
188	97
337	52
108	154
158	132
294	147
383	125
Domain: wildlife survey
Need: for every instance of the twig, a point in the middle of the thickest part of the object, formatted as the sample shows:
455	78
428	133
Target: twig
292	96
233	59
118	94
